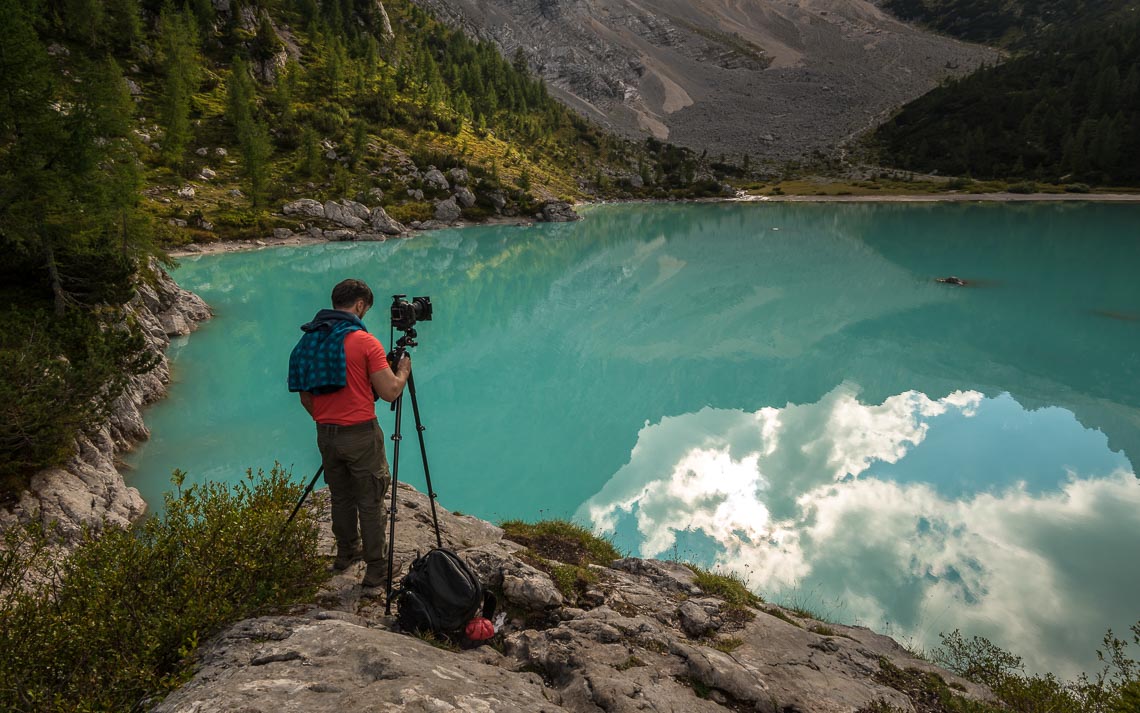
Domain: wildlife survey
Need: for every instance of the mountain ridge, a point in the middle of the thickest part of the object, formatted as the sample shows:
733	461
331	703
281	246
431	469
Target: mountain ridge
776	81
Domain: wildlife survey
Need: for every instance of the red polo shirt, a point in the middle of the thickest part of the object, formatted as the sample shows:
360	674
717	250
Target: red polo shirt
364	356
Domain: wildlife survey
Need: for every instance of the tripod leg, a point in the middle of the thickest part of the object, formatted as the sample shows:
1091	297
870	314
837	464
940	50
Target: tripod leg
304	495
396	438
423	455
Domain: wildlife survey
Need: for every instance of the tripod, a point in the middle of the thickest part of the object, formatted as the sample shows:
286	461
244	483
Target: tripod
408	340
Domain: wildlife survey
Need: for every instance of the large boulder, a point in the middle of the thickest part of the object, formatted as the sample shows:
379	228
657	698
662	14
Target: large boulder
346	213
465	197
436	179
447	211
384	223
558	212
306	207
459	176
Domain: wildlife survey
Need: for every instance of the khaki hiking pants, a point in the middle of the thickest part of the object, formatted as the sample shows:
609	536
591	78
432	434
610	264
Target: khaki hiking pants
356	471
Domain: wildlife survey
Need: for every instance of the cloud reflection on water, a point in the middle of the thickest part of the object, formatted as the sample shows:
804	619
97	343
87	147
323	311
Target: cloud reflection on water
823	499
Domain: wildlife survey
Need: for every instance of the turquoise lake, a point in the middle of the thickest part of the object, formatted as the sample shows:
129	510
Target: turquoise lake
781	389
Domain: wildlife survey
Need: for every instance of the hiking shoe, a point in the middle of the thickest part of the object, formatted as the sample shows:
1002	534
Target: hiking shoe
375	575
345	559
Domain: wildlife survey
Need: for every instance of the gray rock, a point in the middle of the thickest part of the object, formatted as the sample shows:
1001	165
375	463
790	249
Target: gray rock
376	194
185	192
465	197
436	179
381	221
344	214
371	237
416	194
340	236
220	151
316	232
282	233
208	174
558	212
498	200
447	211
695	621
306	207
202	151
458	176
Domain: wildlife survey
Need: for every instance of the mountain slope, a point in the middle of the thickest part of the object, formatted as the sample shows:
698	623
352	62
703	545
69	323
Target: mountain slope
774	80
1066	107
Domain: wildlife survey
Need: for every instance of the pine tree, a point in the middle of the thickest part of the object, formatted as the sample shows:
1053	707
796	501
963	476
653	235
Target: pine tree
309	154
179	62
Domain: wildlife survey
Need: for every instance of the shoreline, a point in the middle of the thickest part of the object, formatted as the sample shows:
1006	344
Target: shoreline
1004	197
229	246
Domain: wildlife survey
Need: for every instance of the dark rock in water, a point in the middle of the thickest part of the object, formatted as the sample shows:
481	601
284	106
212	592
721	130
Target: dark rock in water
557	212
952	280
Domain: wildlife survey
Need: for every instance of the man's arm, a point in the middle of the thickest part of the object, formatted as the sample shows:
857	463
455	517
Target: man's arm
307	401
389	383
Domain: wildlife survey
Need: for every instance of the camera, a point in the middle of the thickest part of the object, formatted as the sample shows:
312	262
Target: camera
405	314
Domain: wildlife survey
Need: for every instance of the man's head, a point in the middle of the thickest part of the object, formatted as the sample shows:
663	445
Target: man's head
352	296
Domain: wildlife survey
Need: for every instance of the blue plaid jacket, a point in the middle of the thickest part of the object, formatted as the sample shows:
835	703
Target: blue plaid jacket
317	364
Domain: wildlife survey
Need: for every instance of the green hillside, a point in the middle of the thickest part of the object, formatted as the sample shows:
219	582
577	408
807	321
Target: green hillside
1064	108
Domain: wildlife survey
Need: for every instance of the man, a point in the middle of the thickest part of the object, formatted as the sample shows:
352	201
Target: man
340	369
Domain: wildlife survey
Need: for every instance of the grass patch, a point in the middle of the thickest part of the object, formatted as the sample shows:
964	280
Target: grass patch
571	580
440	643
631	662
728	645
562	540
730	587
779	614
822	630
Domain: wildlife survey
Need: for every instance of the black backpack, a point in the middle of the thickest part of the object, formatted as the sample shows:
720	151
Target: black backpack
438	595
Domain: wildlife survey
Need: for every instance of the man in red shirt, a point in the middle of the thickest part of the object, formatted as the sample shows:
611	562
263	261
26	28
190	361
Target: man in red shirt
348	435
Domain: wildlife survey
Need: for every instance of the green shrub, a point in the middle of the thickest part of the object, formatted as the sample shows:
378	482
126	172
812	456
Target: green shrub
407	212
1112	690
1077	188
115	623
1023	187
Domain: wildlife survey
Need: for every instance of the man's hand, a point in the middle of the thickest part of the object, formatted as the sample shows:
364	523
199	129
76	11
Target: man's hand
389	383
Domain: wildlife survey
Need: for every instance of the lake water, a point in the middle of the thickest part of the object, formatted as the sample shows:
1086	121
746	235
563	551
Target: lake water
780	389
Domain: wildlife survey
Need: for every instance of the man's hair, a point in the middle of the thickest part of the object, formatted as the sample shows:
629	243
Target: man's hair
347	292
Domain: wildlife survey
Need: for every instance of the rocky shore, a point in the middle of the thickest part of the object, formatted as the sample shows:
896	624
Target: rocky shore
640	636
89	490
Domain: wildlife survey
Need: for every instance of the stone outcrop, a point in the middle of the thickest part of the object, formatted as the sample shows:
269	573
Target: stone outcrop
305	207
557	212
436	179
447	211
89	490
641	637
384	223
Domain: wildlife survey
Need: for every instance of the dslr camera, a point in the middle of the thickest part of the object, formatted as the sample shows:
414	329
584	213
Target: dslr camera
405	314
